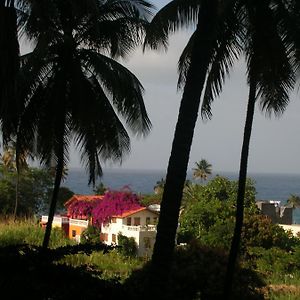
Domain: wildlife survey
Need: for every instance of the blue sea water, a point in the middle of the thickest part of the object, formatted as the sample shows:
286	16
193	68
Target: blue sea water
268	186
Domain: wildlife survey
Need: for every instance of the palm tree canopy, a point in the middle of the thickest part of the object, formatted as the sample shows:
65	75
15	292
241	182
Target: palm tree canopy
73	87
253	30
293	201
202	170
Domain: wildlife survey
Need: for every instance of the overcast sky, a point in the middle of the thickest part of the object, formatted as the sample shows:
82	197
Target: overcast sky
275	142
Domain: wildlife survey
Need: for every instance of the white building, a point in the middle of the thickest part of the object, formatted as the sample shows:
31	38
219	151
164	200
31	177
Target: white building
139	224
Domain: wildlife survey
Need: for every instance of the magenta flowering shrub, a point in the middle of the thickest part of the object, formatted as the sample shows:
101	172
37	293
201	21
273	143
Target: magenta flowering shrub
114	203
82	208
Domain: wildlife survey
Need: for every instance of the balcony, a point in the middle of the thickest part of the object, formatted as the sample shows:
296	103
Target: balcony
139	228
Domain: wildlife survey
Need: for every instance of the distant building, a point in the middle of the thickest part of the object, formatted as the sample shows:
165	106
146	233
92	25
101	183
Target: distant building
278	214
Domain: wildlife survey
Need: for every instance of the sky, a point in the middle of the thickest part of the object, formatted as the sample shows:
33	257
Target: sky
275	142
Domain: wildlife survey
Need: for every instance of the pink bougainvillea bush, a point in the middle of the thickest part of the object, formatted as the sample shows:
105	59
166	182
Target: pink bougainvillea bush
82	209
115	203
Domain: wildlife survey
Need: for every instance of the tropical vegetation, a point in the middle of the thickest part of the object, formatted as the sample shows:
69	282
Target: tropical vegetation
72	89
224	30
76	45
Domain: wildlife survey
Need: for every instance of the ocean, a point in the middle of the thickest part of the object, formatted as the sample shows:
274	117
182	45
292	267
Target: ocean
268	186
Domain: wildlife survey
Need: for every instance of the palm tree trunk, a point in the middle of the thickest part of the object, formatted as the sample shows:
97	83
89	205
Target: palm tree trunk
57	181
9	62
241	192
17	195
178	162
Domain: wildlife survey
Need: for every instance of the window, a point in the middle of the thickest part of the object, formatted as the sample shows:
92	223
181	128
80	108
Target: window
114	220
155	220
113	238
103	237
147	220
73	233
137	221
128	221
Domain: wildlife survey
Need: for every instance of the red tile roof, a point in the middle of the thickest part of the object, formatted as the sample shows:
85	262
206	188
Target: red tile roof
130	212
83	198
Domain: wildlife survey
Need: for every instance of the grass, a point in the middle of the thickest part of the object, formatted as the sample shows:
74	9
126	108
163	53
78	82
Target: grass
28	231
111	265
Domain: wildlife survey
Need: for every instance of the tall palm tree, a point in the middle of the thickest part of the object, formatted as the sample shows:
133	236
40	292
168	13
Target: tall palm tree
175	15
202	170
271	77
73	87
215	23
9	67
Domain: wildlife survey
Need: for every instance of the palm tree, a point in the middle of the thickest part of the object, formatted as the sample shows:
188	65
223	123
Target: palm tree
9	67
242	21
271	77
293	201
74	87
216	24
202	170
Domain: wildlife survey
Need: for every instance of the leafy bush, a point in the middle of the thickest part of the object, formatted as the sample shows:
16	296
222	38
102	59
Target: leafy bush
197	273
259	231
91	235
128	246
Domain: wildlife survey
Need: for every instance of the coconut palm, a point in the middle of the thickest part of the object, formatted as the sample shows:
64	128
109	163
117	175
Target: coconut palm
74	88
271	77
9	67
293	201
245	20
202	170
216	23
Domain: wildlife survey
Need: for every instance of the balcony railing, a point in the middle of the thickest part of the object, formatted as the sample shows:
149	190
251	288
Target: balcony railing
139	228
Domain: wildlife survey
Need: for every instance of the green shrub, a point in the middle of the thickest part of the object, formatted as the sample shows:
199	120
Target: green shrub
197	273
91	235
127	246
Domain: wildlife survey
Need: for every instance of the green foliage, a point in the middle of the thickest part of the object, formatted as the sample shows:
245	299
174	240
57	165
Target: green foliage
34	190
149	199
198	273
259	231
128	246
208	211
64	194
100	189
91	235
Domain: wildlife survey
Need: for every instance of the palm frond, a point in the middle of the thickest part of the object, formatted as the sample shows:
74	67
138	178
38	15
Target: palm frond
175	15
123	87
274	71
98	131
227	52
